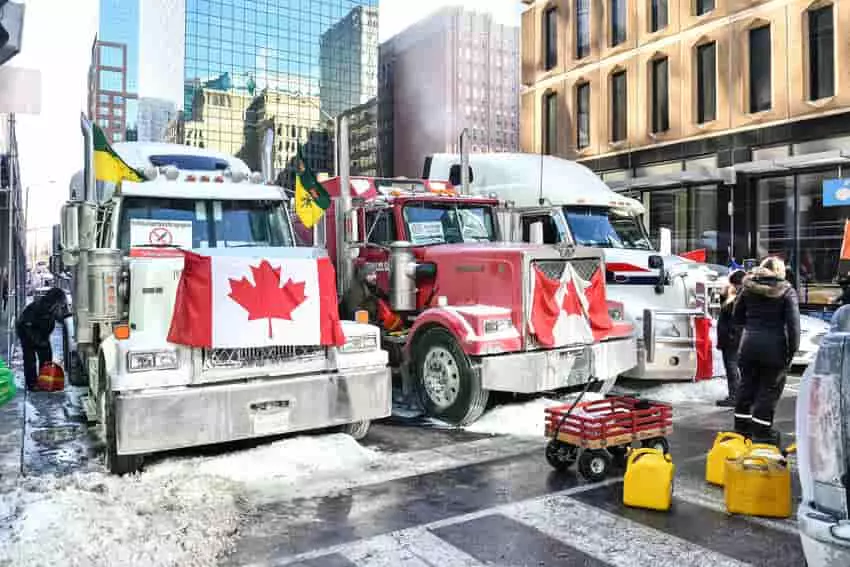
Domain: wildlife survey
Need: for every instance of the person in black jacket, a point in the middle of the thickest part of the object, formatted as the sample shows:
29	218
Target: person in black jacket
769	312
34	327
729	337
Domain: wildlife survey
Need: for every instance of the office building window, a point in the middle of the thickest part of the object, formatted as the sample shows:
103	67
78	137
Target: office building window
760	60
551	42
550	123
657	15
706	82
619	107
660	96
704	6
583	115
582	28
821	53
618	22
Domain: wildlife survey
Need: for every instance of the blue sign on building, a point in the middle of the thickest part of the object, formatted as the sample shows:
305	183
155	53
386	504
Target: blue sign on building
836	192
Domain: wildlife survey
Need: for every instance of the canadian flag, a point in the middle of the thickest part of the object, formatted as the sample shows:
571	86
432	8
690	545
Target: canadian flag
558	310
236	302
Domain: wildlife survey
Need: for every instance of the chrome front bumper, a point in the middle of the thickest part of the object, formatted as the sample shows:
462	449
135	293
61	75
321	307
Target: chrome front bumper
673	361
821	548
149	421
544	370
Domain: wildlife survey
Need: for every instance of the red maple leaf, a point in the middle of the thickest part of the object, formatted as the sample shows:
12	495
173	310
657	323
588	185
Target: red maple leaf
266	299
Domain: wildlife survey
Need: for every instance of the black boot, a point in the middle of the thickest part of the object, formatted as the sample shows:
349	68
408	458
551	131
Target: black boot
766	435
742	426
728	402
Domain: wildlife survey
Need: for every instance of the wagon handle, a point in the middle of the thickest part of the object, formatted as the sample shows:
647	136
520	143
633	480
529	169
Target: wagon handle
564	417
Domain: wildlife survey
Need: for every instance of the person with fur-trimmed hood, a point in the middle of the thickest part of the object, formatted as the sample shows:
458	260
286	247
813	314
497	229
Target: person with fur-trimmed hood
729	337
768	310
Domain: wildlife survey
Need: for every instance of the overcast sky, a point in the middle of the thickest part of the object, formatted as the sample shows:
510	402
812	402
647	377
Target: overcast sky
57	40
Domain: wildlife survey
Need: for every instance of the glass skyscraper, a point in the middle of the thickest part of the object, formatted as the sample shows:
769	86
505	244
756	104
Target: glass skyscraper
289	65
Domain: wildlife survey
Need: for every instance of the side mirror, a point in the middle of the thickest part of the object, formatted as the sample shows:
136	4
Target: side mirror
535	233
656	262
70	232
455	177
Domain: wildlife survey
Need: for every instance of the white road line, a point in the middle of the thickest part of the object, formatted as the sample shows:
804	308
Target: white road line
611	538
411	533
411	548
712	498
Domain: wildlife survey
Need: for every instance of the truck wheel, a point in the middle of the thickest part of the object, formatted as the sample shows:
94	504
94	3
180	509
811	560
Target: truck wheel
74	370
448	388
115	463
358	430
594	464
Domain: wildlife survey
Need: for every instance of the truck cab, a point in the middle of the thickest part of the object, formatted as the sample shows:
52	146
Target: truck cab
457	304
664	295
125	246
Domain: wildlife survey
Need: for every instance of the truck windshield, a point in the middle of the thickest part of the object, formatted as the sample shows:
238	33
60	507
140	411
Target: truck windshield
441	223
189	223
602	227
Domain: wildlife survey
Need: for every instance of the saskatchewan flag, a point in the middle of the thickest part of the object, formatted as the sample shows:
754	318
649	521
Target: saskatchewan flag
311	199
108	167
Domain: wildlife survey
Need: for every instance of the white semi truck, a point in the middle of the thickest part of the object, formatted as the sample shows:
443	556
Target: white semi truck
662	293
123	245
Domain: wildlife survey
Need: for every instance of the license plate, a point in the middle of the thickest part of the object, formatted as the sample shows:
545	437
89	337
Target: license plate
270	417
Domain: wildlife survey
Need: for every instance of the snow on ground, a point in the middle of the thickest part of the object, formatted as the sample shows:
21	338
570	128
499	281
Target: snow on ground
521	419
178	512
703	391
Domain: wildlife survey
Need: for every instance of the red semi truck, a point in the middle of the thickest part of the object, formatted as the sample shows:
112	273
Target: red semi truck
464	313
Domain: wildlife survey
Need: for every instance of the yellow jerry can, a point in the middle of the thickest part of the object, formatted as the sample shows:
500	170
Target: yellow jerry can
758	484
727	445
649	480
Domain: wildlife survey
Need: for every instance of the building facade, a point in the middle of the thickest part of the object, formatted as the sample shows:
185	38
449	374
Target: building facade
725	117
454	70
154	117
363	138
115	66
278	49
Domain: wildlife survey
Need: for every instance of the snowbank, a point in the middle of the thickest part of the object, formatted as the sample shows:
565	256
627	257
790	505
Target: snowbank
522	419
178	512
704	391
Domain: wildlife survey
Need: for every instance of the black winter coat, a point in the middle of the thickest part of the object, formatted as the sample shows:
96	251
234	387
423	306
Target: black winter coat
768	310
36	323
728	333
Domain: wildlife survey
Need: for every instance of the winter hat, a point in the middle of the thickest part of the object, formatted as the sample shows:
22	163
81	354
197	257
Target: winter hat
736	277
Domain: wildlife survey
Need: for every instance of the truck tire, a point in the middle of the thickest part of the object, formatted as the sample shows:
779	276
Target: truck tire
447	387
358	430
115	463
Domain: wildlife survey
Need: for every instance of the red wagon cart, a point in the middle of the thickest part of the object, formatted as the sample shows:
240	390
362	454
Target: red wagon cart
597	432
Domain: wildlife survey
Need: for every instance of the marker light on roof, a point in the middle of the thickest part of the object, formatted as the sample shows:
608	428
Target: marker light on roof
190	178
218	179
205	179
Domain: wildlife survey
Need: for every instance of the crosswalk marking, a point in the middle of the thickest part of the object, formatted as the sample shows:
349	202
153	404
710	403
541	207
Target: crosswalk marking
416	547
618	541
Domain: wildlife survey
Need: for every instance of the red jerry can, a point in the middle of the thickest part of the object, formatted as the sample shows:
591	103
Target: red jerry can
51	378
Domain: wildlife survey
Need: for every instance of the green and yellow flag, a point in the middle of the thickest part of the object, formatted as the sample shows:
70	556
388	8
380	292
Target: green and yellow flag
311	199
108	166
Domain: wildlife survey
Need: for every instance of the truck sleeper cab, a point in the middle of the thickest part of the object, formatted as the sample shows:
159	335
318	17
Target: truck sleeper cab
150	395
455	303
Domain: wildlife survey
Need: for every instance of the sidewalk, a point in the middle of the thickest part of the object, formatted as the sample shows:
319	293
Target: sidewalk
11	417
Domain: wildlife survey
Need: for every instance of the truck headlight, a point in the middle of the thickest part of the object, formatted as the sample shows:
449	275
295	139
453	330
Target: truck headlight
360	343
152	360
496	325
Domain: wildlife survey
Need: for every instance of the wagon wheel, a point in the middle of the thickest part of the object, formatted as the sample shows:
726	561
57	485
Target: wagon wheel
594	464
560	455
659	443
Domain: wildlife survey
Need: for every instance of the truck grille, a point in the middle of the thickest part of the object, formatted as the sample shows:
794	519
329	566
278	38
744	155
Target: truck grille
554	269
259	356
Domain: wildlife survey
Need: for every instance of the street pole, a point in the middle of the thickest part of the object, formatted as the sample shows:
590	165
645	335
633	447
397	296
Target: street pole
10	200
